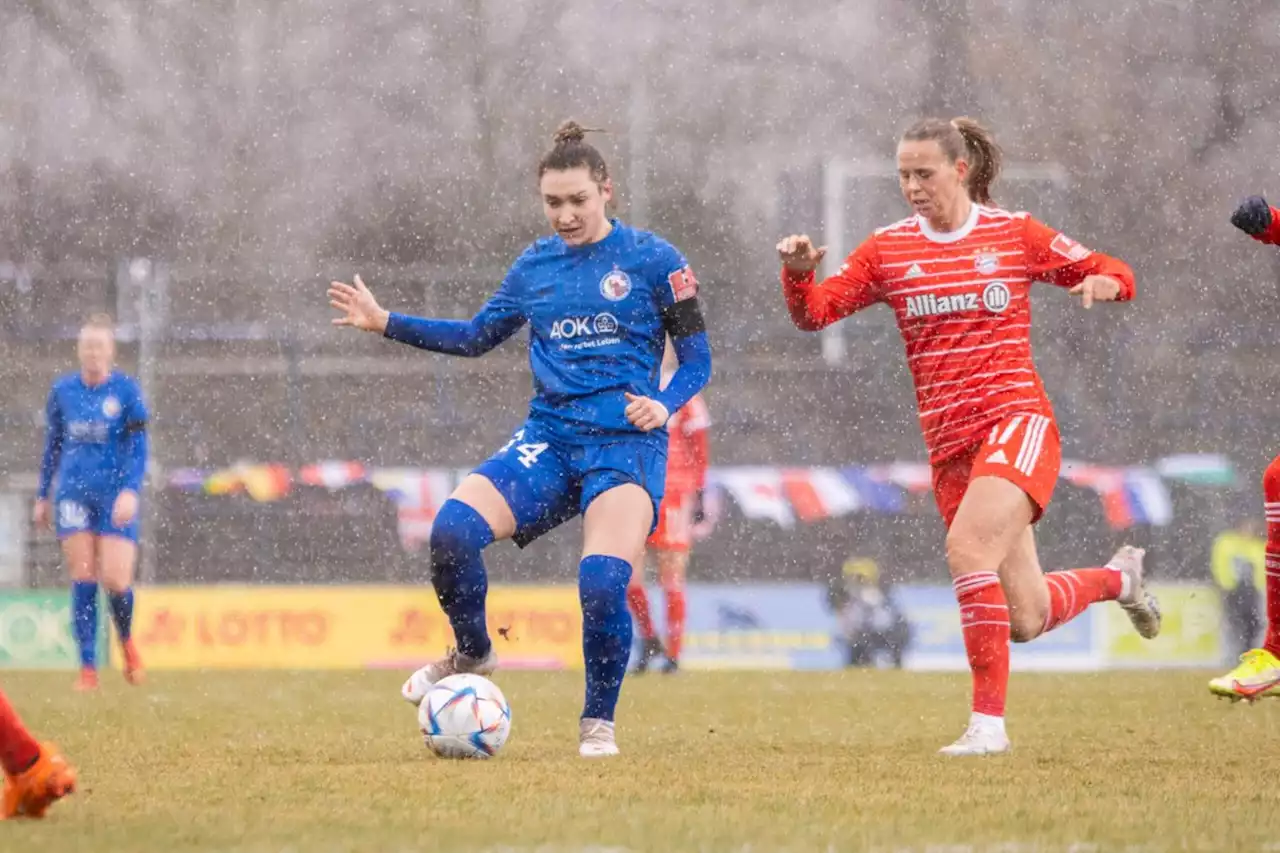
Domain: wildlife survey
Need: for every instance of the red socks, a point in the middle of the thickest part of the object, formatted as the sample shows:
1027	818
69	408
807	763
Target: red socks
1071	591
1271	494
18	750
639	604
675	619
638	601
984	620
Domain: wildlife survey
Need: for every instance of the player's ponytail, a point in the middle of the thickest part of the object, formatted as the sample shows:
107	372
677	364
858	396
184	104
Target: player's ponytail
985	158
572	151
964	139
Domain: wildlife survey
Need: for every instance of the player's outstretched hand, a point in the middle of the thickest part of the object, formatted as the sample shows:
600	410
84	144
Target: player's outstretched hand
645	413
358	307
125	508
41	515
1097	288
798	253
1253	216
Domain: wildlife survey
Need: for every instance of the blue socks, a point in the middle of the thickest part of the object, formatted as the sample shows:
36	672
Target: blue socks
122	610
84	620
458	535
606	631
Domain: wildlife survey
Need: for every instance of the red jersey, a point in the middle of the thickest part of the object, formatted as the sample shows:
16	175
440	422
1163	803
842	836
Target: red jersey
1272	234
687	455
962	301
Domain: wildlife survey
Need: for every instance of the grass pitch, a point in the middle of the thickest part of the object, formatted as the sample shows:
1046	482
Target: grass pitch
262	761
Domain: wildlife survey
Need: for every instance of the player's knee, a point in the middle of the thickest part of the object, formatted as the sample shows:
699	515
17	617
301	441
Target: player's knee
115	584
968	552
1271	481
458	532
1025	624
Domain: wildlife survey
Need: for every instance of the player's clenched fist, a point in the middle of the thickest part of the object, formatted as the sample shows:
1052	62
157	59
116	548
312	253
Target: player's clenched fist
646	413
358	307
798	254
1253	216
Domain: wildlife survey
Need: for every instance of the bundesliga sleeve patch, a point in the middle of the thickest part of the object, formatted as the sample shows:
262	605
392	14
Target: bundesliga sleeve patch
683	284
1069	249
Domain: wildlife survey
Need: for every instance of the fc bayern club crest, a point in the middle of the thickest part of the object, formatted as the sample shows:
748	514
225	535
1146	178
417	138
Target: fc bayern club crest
616	285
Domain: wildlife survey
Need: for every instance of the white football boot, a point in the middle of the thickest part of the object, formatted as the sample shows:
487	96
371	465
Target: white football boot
985	736
595	738
454	662
1140	606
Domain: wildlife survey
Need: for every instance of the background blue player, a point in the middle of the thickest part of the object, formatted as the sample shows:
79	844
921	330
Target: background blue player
96	448
600	298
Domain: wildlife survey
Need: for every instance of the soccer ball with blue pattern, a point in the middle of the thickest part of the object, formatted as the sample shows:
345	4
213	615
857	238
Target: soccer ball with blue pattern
464	716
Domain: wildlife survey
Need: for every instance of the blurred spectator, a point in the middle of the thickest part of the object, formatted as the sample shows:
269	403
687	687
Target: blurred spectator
873	628
1238	564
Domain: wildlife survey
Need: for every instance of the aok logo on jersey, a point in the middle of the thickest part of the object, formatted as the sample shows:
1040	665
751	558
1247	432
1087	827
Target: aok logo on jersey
995	298
600	330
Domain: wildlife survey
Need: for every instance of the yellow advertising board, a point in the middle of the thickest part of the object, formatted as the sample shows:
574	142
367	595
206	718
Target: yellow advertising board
256	627
1190	630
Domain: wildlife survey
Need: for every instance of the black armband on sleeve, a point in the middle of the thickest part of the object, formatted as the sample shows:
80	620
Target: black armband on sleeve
135	426
683	318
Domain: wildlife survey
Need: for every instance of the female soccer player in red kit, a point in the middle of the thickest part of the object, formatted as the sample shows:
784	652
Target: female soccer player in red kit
957	275
687	461
35	775
1258	673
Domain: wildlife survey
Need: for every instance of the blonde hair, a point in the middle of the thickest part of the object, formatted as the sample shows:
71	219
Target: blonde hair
100	321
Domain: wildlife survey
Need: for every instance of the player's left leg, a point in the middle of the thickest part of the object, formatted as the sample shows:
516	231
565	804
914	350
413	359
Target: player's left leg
617	520
35	775
117	557
79	550
1040	602
1025	451
672	564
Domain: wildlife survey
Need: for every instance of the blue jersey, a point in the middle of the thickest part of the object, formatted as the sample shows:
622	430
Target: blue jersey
95	437
598	317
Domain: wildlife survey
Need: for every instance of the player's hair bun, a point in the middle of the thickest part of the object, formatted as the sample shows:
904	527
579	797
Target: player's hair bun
571	133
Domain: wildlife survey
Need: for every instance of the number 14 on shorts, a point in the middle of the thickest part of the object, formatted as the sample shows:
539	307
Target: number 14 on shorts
529	453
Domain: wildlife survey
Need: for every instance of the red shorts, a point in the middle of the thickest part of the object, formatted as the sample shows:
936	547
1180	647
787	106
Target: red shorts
675	522
1023	449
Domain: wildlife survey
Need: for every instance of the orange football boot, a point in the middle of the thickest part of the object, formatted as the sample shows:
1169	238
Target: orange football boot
133	671
31	792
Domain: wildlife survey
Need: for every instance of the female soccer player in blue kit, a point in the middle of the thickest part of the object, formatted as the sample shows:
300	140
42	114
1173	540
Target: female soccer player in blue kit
96	445
600	298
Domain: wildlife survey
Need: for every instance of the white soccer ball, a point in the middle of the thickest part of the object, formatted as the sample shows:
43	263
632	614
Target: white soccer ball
464	716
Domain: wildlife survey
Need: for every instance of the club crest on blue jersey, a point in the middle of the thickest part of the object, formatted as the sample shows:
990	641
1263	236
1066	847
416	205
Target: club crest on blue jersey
111	407
616	285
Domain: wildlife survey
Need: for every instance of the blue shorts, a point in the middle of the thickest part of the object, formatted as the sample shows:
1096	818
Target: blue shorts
547	481
90	514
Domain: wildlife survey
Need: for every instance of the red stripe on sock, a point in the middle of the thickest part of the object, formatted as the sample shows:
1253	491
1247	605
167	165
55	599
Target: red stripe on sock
1073	590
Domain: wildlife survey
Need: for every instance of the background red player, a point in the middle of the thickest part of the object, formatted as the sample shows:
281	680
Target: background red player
687	462
1258	673
957	275
35	775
